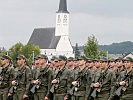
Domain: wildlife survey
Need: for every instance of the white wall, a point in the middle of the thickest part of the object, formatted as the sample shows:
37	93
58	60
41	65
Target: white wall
62	24
64	45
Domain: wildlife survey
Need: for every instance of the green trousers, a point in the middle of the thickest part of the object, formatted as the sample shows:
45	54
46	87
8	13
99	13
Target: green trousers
102	96
39	95
80	95
3	94
59	96
127	96
19	94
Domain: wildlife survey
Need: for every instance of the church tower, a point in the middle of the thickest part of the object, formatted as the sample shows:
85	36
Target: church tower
62	20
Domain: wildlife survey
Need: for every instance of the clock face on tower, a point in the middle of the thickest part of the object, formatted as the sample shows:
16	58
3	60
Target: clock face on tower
65	19
59	19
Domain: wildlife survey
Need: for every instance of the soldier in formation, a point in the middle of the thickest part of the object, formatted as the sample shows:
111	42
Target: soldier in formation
66	79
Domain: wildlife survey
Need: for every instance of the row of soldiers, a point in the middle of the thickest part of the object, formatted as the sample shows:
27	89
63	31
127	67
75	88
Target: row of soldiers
66	79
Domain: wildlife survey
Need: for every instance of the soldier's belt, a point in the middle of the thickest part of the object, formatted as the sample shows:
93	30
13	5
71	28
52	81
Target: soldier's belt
82	89
4	85
45	84
104	91
60	91
128	91
21	85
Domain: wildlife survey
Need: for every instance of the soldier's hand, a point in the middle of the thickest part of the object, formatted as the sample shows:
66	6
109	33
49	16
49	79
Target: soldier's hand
54	81
25	96
65	98
36	81
9	94
75	83
14	83
96	85
46	98
122	83
1	78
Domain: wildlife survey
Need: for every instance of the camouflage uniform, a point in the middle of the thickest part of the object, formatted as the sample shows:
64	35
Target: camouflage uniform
44	76
6	75
23	77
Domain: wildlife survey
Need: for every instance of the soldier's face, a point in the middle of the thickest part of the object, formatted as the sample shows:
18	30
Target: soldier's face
75	63
62	62
97	64
112	64
81	62
127	64
103	65
4	61
21	61
52	62
42	62
70	63
56	65
37	62
119	63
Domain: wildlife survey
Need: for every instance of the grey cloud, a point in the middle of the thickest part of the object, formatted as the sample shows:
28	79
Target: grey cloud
106	19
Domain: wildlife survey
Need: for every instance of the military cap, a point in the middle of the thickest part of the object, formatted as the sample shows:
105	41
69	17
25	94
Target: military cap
103	59
6	57
112	60
56	59
53	58
44	57
128	59
119	59
62	58
70	59
75	59
95	60
36	58
82	58
21	57
89	60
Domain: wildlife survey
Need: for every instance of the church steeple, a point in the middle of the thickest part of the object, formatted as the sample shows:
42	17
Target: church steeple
63	7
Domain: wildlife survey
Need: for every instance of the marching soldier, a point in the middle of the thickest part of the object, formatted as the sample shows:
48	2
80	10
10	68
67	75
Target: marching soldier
61	82
90	74
21	80
41	80
6	75
125	82
104	84
119	72
80	80
128	83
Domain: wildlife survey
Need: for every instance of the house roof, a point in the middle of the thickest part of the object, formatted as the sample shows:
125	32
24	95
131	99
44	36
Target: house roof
45	38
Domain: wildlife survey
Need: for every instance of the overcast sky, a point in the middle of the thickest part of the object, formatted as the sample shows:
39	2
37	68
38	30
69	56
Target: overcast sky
109	20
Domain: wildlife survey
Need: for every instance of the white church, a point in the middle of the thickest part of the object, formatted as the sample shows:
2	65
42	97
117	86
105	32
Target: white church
55	41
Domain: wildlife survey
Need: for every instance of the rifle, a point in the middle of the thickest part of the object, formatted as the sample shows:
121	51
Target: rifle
36	86
13	89
1	77
52	90
95	90
81	74
118	92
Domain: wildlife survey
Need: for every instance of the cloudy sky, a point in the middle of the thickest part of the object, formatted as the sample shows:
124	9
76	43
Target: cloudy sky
109	20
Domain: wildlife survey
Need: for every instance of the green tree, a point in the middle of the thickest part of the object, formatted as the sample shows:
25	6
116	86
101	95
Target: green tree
14	51
103	54
91	47
77	53
26	50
